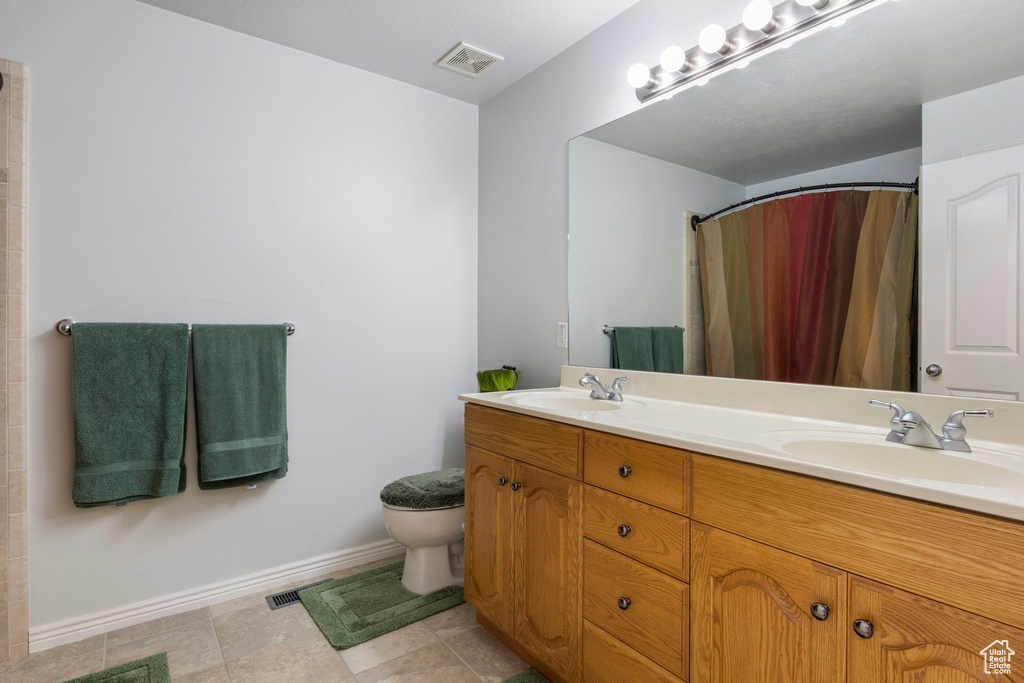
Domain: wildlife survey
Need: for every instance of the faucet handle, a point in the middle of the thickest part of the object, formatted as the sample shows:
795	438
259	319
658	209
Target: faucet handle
899	412
897	430
616	386
954	429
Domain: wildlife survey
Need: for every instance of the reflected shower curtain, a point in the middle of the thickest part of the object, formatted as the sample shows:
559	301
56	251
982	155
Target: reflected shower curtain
816	288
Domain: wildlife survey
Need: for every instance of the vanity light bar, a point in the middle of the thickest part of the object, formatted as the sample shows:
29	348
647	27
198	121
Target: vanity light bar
720	48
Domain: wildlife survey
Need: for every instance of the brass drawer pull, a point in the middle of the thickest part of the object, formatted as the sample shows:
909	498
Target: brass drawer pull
624	530
624	603
625	471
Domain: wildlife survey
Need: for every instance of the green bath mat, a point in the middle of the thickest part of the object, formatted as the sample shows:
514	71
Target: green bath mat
148	670
528	676
359	608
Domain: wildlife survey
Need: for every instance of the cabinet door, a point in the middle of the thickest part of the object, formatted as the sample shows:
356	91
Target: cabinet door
548	559
489	585
913	639
751	618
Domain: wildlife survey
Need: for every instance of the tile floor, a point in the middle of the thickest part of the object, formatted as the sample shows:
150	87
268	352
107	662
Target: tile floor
243	641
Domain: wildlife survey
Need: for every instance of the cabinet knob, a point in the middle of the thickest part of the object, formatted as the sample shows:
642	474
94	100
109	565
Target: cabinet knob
624	603
863	628
624	530
820	611
625	471
516	486
502	481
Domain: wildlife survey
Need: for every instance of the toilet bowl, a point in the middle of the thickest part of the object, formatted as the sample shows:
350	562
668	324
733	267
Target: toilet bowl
435	555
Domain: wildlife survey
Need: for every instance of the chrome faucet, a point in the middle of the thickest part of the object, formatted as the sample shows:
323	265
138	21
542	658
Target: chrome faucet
913	430
612	392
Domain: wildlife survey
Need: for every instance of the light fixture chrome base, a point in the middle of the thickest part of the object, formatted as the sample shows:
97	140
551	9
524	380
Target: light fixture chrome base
791	19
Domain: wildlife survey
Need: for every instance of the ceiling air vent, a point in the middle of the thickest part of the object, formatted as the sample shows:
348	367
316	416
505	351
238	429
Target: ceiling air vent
468	60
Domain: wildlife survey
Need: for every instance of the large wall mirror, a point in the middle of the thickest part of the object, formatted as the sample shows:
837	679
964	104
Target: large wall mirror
910	280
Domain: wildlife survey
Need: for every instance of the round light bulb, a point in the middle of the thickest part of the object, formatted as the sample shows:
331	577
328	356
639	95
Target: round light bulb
816	4
673	59
638	75
759	15
713	39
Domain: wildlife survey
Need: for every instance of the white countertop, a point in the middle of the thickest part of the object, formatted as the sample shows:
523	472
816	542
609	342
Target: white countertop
988	480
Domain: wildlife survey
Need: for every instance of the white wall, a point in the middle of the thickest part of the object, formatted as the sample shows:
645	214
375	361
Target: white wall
898	167
626	227
977	118
524	133
181	172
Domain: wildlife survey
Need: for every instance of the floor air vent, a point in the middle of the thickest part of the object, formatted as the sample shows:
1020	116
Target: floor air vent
468	60
288	597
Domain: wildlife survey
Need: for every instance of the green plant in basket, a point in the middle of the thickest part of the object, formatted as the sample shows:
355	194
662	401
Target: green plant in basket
498	380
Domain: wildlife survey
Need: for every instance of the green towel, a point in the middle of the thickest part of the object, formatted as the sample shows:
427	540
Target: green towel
130	382
667	345
632	349
241	421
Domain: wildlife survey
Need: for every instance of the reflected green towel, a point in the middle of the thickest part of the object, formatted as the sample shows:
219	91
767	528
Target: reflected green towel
667	349
130	381
632	349
241	420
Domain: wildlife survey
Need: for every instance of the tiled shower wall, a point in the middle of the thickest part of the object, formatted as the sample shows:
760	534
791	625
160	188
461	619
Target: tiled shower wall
13	460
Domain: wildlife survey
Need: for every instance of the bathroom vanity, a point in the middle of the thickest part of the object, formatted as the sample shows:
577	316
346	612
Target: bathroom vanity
599	549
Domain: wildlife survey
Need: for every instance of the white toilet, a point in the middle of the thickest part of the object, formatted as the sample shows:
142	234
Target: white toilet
425	513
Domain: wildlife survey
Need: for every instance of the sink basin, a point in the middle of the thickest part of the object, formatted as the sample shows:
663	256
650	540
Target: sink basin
566	401
869	453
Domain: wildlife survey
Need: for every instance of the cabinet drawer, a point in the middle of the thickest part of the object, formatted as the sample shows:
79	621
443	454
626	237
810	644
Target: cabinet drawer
609	660
964	559
655	474
551	445
656	619
652	535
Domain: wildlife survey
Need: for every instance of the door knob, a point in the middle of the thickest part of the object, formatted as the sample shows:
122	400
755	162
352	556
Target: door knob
625	471
624	603
933	370
624	530
820	611
864	628
502	481
516	486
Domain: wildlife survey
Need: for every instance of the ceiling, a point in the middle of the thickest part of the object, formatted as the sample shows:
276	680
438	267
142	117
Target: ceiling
403	39
841	95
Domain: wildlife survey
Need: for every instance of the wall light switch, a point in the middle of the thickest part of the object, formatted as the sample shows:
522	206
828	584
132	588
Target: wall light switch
563	335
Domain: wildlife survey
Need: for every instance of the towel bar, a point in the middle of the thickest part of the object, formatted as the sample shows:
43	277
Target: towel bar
64	327
608	329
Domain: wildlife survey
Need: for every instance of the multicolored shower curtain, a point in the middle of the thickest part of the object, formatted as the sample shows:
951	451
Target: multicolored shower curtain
816	288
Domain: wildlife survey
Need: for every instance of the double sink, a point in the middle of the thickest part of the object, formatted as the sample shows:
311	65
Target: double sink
834	447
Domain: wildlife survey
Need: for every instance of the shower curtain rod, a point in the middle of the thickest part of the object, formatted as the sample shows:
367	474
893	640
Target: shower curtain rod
697	220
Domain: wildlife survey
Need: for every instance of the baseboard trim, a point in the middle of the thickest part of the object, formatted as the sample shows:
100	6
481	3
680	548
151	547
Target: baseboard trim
67	631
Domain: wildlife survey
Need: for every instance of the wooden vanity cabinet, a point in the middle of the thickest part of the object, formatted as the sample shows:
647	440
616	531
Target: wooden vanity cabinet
915	639
753	613
524	536
606	559
548	533
489	583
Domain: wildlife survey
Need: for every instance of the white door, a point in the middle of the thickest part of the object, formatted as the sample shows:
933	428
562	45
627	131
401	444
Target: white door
971	253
